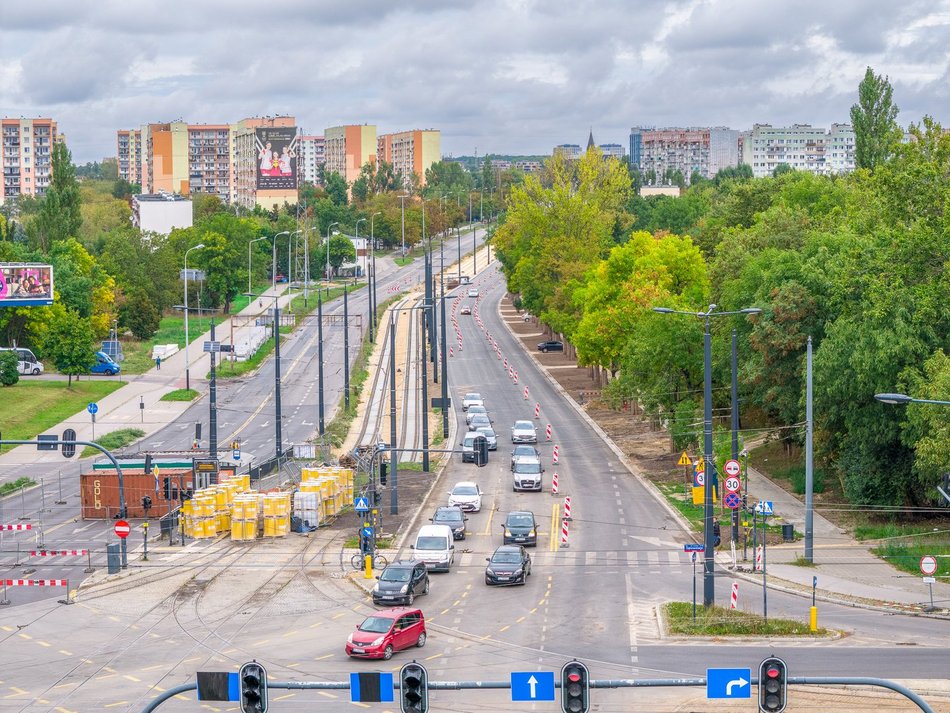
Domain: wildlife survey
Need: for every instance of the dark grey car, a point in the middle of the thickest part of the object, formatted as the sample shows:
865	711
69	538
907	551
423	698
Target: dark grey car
452	516
521	529
400	582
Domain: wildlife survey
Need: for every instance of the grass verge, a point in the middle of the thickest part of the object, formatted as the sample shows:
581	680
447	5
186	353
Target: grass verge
113	441
381	542
40	405
180	395
18	484
716	621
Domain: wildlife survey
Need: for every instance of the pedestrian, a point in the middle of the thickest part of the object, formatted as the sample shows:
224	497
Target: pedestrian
194	445
717	533
158	362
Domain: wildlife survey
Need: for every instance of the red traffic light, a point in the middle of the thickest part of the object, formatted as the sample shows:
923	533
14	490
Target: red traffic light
573	677
773	672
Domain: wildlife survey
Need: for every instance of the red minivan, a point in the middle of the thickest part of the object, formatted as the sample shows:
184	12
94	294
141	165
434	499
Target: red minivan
387	631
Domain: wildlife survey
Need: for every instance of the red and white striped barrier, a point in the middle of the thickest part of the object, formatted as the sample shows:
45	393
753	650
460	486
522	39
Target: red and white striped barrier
516	378
35	582
537	407
734	601
757	564
554	461
511	372
59	553
526	395
451	352
554	484
564	534
547	432
505	365
567	507
25	526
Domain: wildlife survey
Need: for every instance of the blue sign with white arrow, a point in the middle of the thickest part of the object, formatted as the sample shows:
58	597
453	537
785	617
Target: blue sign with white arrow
532	685
93	407
728	683
361	505
367	531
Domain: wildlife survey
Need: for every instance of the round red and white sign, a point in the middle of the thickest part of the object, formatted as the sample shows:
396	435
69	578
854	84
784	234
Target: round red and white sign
732	485
928	565
732	467
122	529
700	479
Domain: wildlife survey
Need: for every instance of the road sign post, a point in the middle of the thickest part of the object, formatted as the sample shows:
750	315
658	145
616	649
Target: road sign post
123	529
928	567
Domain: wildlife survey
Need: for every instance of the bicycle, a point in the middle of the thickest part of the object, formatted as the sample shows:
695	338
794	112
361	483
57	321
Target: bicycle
358	561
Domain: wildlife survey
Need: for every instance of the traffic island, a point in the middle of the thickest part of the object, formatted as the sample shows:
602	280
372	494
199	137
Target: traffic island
677	619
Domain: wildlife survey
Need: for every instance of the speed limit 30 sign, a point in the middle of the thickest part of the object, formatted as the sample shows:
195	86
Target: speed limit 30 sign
732	484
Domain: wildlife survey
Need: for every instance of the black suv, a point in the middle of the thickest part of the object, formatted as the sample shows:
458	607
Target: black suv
400	582
551	346
521	529
452	516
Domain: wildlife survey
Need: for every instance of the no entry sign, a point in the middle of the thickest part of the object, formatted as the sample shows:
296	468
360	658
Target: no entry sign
122	529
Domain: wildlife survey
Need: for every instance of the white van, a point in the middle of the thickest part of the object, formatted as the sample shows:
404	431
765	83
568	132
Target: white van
27	363
435	545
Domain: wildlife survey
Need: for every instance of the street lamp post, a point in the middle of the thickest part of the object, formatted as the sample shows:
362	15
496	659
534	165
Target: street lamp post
328	248
372	268
274	259
709	560
402	200
290	255
306	265
187	371
263	237
360	220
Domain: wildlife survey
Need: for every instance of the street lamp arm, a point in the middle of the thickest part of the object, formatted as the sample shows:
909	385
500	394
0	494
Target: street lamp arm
708	313
901	399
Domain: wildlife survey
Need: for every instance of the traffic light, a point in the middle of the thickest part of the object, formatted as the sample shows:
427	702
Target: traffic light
773	685
253	681
146	504
69	446
481	451
148	463
383	471
575	688
413	688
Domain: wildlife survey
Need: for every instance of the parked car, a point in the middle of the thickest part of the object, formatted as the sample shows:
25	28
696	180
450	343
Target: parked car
520	528
551	346
467	495
400	582
509	564
465	310
524	451
479	420
105	365
385	632
473	292
526	474
468	446
524	432
434	546
472	398
452	517
475	409
27	363
490	436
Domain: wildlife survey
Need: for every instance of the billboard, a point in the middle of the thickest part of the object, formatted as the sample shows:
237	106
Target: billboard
25	284
276	158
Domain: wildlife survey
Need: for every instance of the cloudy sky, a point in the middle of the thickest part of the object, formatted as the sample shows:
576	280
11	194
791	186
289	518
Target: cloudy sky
502	76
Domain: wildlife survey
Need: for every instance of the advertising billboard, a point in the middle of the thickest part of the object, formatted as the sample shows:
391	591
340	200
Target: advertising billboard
25	284
276	158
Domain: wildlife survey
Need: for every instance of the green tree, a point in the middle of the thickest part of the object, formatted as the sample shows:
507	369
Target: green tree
341	250
70	343
336	188
60	212
139	316
874	119
781	169
9	370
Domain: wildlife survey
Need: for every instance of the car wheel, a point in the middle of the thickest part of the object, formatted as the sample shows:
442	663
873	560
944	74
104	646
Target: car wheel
426	589
410	598
36	372
388	652
422	640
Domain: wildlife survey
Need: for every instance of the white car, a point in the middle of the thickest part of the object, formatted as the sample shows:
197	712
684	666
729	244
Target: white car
473	292
467	496
472	398
490	436
524	432
474	409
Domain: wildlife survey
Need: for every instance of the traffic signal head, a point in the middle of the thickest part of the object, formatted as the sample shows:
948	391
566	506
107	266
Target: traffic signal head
413	688
146	503
148	463
383	472
575	688
253	683
773	685
481	451
69	445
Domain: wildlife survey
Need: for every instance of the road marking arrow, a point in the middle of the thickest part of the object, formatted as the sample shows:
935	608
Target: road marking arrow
532	684
740	682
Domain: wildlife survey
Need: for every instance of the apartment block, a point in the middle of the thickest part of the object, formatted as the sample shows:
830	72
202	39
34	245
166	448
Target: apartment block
701	149
613	151
209	160
265	161
311	155
410	152
129	155
568	151
27	156
802	146
348	148
166	158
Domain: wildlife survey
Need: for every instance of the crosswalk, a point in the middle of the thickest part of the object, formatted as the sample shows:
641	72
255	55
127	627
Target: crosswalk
644	561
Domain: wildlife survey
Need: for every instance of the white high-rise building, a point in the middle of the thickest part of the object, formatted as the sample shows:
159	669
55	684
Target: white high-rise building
311	155
801	146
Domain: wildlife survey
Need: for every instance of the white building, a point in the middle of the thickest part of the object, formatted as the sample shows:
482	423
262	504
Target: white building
568	151
359	267
801	146
311	156
161	212
616	151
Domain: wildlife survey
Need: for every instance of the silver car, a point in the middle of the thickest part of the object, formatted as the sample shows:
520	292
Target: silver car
479	420
473	410
472	398
490	436
524	432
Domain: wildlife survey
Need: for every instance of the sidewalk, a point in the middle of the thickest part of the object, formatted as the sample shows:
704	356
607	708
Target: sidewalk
121	408
847	570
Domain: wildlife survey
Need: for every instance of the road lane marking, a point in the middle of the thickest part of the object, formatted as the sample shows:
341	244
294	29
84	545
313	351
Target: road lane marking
113	705
64	652
504	628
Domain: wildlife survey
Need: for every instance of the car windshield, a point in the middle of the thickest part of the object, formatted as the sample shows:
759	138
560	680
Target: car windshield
477	409
527	467
524	425
520	520
448	516
473	397
487	432
506	558
465	490
480	418
469	441
524	451
376	625
430	543
391	574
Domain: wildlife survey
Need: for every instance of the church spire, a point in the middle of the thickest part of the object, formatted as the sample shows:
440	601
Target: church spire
590	139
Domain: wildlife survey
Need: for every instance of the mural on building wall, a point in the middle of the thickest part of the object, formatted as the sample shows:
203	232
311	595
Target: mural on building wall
276	158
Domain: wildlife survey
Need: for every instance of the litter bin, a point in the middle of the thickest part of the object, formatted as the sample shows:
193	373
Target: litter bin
788	532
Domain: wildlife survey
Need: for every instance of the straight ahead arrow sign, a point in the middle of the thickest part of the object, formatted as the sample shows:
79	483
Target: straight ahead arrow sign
533	685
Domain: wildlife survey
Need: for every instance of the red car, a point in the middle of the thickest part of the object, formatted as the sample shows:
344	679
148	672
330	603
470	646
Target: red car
387	631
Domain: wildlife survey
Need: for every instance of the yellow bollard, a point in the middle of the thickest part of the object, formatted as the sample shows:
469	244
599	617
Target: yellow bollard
369	567
814	619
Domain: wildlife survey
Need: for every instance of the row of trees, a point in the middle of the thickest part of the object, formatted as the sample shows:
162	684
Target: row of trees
858	263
